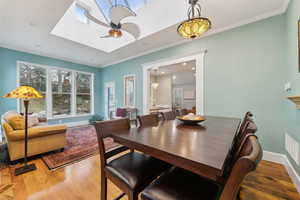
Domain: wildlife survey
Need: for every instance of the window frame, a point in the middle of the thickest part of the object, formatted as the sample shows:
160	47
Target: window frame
134	90
48	97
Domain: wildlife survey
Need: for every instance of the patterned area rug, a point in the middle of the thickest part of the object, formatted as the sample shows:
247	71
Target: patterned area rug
81	143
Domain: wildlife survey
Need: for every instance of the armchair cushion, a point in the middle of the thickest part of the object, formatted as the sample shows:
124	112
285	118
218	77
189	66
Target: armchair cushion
37	131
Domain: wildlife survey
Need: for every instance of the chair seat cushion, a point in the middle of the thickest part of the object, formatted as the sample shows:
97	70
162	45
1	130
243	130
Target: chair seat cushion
179	184
136	170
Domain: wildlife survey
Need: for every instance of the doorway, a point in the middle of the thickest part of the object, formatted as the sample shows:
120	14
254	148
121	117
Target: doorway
198	59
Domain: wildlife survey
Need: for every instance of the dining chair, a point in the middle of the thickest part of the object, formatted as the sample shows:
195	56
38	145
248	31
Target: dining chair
248	117
170	115
184	111
148	120
179	184
132	171
247	126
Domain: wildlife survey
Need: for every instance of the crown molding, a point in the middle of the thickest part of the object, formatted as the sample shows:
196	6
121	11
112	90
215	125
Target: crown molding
279	11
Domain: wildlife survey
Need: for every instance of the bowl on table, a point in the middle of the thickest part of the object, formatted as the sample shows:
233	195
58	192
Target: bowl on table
191	119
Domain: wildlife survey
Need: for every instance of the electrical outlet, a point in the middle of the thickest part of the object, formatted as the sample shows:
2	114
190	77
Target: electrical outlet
292	147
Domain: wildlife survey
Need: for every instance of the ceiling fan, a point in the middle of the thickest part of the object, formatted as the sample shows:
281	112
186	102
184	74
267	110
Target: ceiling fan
117	14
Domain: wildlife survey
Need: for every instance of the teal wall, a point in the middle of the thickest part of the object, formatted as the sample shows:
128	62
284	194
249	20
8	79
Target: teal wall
292	115
8	75
244	70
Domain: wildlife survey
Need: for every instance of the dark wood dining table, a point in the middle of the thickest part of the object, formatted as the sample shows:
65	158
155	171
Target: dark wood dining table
202	149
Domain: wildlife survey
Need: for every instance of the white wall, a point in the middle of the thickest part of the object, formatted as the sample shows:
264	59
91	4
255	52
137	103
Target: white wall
186	81
164	90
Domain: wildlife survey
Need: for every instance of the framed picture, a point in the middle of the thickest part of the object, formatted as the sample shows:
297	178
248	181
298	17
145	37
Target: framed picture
299	44
189	94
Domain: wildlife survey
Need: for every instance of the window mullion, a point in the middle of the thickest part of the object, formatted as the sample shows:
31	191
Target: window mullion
73	96
49	94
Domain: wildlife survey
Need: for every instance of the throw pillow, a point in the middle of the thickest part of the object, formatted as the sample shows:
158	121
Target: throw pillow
33	120
16	121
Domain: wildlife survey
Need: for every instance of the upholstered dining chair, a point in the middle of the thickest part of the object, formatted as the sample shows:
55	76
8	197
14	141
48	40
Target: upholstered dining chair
170	115
148	120
179	184
131	172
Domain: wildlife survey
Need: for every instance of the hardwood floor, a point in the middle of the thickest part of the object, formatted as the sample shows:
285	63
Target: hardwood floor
81	181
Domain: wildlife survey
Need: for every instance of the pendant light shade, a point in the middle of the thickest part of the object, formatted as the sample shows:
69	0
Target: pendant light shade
196	25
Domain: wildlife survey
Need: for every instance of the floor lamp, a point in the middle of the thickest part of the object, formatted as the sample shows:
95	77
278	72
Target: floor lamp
25	93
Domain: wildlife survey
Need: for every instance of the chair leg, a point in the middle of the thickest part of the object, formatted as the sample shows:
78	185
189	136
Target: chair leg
133	196
103	188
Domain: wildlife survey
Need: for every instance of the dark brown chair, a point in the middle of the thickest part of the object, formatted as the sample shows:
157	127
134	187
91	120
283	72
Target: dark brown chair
131	172
184	111
179	184
248	117
170	115
148	120
181	112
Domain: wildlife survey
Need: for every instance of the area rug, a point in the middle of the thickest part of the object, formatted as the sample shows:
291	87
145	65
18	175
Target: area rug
81	143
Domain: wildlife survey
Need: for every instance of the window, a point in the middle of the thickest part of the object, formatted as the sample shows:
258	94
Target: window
80	14
34	76
83	93
61	84
105	5
129	91
66	92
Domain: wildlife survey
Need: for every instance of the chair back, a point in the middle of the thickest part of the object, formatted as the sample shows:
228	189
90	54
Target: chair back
170	115
248	117
148	120
105	129
184	111
249	129
249	156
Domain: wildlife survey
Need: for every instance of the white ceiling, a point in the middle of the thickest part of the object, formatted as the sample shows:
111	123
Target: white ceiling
27	25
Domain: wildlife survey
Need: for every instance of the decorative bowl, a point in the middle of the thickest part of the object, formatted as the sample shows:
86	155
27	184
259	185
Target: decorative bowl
188	120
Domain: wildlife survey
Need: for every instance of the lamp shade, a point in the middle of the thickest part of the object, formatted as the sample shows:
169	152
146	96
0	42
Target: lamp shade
24	92
193	28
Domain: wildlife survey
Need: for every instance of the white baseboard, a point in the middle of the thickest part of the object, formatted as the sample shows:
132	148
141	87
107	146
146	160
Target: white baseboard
283	159
79	123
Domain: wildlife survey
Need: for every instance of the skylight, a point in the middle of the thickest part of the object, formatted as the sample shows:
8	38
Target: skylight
80	14
75	26
105	5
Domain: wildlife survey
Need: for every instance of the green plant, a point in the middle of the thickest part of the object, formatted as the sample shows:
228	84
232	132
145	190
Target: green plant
95	118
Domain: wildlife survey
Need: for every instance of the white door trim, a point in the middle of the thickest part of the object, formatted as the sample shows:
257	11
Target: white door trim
106	85
198	57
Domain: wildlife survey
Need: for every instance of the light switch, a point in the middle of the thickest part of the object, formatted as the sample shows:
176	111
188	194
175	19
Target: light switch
287	86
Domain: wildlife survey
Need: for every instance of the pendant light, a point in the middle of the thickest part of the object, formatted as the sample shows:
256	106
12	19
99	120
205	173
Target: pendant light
196	25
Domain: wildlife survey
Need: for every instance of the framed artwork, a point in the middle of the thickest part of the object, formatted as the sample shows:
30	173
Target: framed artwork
299	44
189	94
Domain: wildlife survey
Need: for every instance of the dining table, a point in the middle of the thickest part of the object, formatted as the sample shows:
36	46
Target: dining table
202	149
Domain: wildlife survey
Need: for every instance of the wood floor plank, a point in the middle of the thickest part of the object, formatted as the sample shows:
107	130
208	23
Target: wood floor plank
81	181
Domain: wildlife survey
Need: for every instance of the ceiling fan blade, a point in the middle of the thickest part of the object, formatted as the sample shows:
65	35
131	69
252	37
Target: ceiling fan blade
106	36
95	20
117	13
132	28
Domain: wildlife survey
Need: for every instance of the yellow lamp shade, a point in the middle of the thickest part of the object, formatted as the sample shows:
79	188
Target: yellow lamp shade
24	92
193	28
